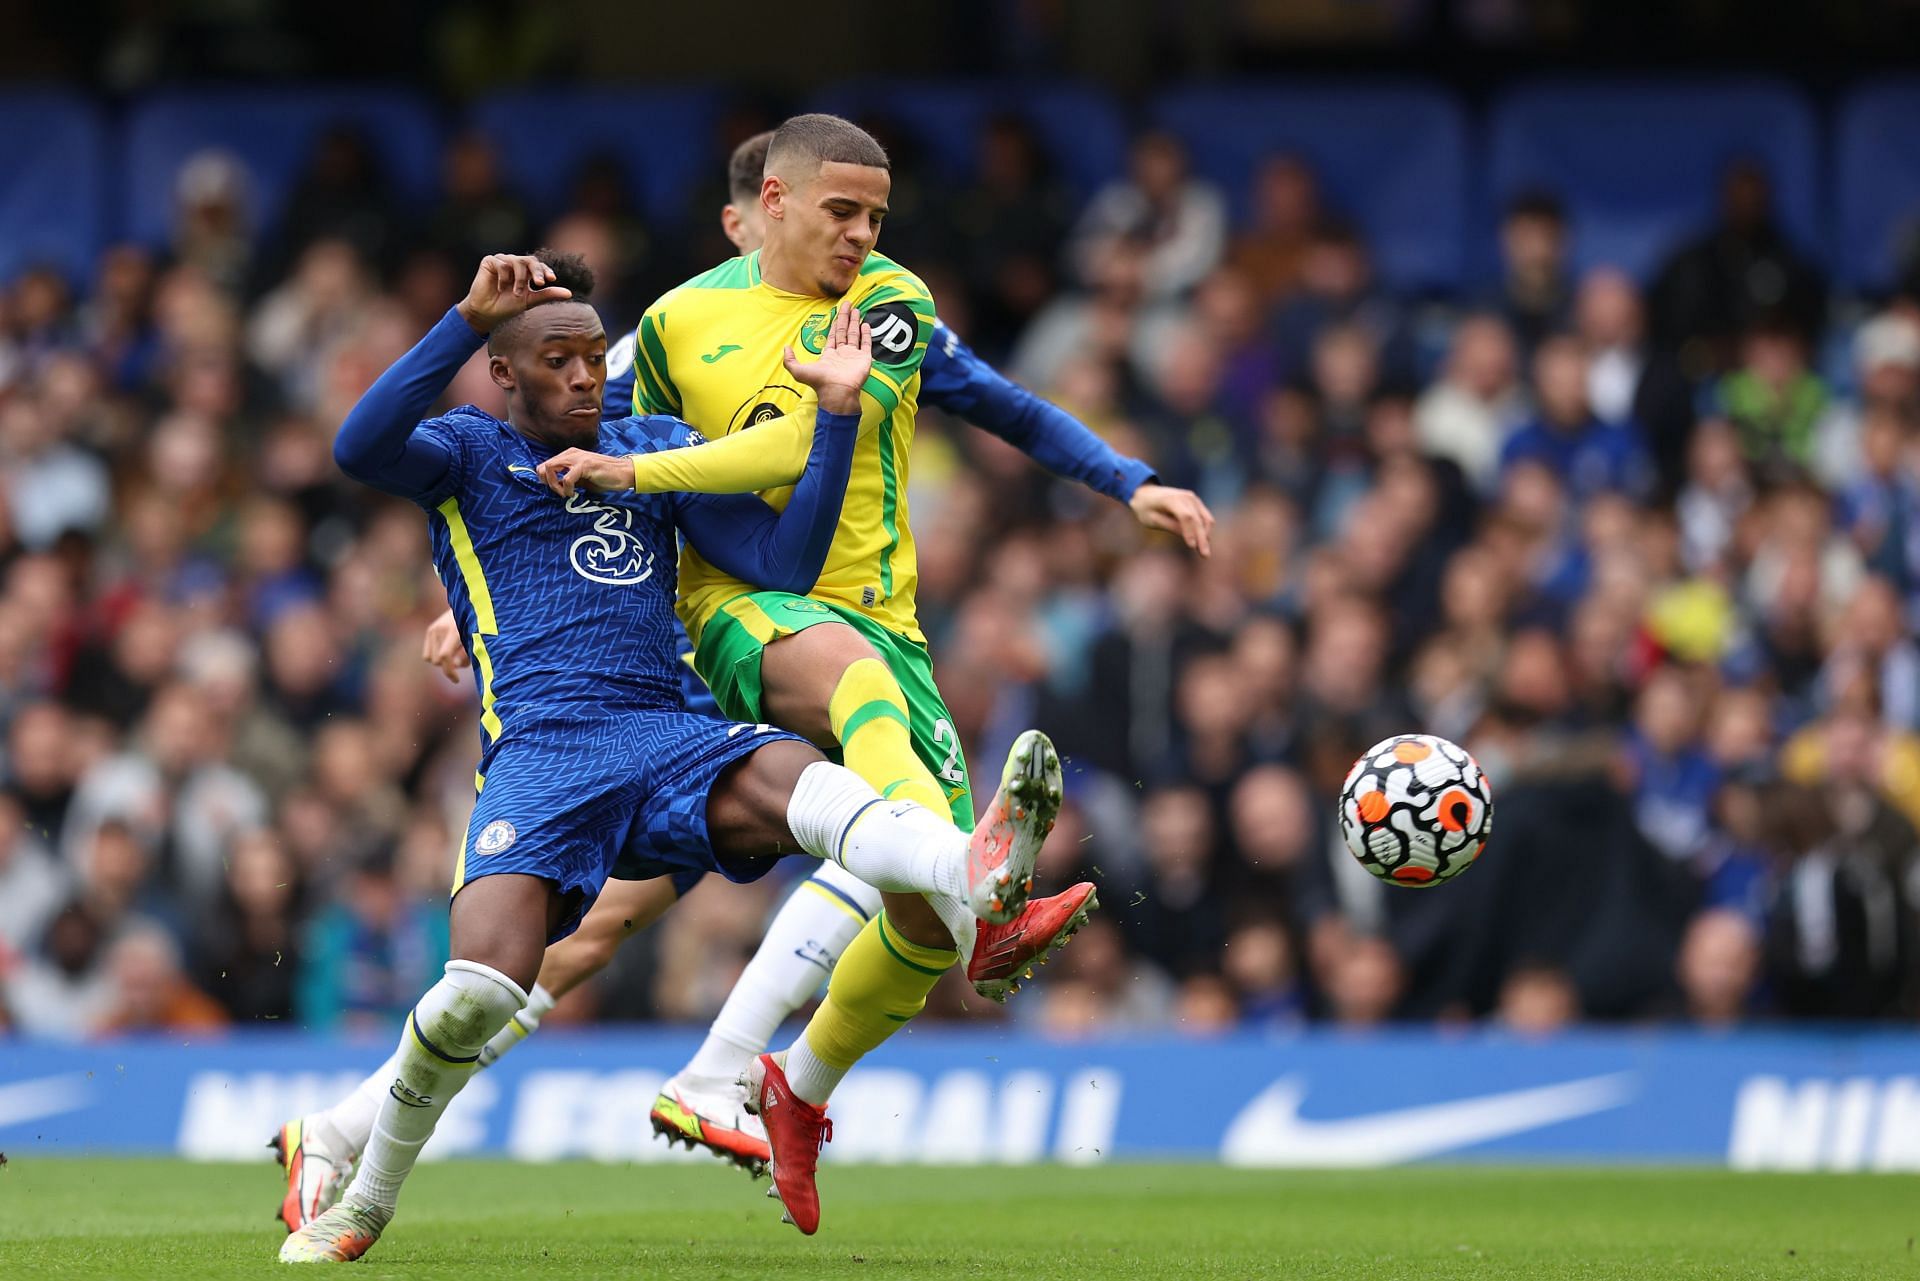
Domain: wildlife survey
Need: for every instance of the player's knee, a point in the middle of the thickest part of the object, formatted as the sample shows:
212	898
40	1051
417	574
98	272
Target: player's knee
470	1004
747	805
502	922
800	674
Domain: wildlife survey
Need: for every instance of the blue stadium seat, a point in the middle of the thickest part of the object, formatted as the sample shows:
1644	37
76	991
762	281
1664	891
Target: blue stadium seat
1877	180
1080	128
664	137
53	155
1390	156
272	132
1638	163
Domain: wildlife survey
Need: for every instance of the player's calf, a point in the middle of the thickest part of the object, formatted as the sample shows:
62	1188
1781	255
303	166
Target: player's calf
785	795
504	919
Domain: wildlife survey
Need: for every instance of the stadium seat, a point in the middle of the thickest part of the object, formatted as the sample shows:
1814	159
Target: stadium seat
1638	163
1877	181
1081	128
664	138
1391	156
272	132
53	152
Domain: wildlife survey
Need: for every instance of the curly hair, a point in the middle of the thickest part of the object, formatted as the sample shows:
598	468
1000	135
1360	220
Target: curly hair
570	272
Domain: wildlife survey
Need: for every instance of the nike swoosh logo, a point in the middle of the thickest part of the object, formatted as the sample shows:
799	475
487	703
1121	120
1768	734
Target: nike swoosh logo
23	1101
513	467
1271	1131
725	349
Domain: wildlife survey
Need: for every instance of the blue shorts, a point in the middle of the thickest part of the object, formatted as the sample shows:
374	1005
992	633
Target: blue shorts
624	793
634	863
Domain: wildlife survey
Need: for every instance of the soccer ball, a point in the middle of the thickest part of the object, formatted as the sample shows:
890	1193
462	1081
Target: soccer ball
1416	810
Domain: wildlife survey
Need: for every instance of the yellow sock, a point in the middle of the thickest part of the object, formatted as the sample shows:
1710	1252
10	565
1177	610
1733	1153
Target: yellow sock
869	717
881	982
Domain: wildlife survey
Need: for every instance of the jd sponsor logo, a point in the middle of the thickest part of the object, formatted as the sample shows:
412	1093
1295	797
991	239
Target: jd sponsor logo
895	328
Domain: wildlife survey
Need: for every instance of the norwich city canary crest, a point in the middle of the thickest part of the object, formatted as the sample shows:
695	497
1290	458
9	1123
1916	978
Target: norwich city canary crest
813	333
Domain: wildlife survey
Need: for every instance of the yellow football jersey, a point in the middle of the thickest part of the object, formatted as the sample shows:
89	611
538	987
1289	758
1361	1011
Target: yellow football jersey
710	352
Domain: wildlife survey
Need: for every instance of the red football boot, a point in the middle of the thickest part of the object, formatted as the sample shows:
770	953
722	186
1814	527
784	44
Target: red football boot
1005	955
796	1131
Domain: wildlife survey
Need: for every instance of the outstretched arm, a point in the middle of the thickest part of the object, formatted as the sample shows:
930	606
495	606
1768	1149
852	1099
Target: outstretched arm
958	382
767	456
782	551
739	533
379	443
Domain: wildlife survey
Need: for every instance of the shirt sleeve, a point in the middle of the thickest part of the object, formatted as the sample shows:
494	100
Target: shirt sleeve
766	456
900	312
616	397
785	550
955	380
653	388
384	444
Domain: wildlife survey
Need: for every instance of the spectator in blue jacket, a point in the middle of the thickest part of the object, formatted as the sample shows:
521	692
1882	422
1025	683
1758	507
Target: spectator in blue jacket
1587	454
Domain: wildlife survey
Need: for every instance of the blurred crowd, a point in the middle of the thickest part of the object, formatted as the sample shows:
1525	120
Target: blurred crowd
1649	548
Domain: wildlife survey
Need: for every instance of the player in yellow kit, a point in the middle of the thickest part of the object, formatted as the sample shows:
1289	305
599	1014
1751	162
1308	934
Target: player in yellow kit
846	665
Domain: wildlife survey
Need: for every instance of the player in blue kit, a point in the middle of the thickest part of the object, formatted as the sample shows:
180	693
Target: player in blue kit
567	606
704	1103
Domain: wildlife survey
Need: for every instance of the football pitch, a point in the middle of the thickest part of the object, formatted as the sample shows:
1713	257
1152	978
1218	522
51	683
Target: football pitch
146	1218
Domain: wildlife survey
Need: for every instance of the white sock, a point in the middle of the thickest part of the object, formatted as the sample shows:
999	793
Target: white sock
960	922
891	845
344	1128
523	1024
808	934
812	1079
437	1054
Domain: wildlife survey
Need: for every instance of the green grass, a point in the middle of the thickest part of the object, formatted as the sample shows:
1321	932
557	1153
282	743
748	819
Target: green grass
110	1218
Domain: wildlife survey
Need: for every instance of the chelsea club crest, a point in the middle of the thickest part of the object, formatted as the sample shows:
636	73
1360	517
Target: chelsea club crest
495	836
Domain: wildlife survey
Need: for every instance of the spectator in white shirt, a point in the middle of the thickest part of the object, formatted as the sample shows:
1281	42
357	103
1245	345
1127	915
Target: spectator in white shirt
1179	219
1467	414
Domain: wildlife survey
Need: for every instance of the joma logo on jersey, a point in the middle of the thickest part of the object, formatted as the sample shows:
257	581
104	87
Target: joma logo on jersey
612	553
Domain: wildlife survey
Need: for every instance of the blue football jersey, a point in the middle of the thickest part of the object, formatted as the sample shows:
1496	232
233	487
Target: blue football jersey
536	583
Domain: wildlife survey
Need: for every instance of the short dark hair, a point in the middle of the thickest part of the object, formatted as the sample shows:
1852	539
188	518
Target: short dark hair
570	272
1543	205
747	166
824	139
